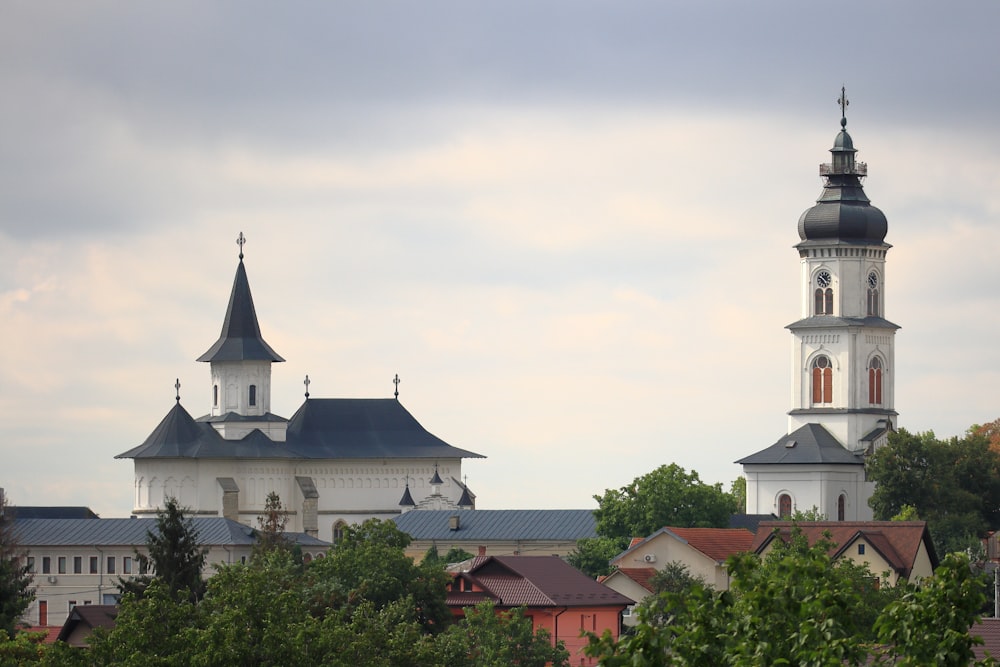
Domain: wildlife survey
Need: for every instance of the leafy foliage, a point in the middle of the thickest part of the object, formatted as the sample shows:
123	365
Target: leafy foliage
175	555
592	554
271	526
486	638
667	496
954	485
16	592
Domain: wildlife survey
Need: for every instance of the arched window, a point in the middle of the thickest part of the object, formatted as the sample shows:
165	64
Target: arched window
873	295
824	293
785	506
822	380
841	507
875	381
253	394
338	531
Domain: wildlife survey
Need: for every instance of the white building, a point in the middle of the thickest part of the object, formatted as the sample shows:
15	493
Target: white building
843	362
334	462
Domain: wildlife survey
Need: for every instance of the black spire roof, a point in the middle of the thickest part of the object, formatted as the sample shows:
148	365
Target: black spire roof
843	212
810	444
240	339
407	499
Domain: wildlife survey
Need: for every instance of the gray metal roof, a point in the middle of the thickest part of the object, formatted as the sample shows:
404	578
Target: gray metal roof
562	525
322	428
809	444
121	532
831	321
212	531
240	339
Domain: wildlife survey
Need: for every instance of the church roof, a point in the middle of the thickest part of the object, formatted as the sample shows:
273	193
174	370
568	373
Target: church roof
498	524
843	213
809	444
831	321
240	339
322	428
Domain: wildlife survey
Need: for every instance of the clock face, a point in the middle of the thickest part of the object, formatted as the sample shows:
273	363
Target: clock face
823	279
872	280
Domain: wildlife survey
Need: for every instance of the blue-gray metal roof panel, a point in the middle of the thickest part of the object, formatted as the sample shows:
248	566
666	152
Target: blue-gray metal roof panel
559	525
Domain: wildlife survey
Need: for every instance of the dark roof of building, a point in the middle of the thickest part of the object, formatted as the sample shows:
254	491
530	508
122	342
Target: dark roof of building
843	212
322	428
897	541
540	581
832	321
561	525
240	339
749	521
989	630
34	512
90	616
808	445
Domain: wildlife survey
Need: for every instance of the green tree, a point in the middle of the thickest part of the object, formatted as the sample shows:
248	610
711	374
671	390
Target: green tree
592	554
271	526
174	554
954	485
667	496
486	638
16	592
369	563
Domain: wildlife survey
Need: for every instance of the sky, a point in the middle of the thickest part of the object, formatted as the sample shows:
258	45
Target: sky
567	226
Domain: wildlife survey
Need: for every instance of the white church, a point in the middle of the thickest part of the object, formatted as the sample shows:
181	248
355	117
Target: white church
842	356
334	462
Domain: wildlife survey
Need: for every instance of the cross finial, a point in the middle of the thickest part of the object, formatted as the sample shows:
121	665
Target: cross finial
307	382
843	102
177	388
240	240
396	382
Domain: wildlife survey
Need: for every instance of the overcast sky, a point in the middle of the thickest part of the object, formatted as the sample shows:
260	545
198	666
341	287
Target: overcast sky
567	226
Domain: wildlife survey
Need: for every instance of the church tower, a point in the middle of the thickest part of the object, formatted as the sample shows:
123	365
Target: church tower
843	360
241	368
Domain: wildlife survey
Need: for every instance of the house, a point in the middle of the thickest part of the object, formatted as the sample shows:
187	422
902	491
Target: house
497	532
82	621
555	595
900	549
843	355
334	462
79	562
632	582
702	550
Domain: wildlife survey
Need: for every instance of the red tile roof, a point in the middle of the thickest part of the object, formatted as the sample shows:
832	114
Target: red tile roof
989	630
540	581
897	541
716	543
640	575
51	632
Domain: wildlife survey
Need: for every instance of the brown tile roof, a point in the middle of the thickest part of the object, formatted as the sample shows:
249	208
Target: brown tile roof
716	543
989	630
541	581
50	632
640	575
897	541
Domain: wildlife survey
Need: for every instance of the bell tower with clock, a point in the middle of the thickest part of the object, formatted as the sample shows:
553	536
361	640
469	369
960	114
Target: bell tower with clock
843	360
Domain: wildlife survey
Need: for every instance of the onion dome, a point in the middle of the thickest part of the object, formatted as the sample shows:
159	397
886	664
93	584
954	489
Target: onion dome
843	212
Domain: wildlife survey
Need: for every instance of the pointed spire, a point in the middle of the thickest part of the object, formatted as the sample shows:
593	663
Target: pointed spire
240	339
466	499
436	479
407	499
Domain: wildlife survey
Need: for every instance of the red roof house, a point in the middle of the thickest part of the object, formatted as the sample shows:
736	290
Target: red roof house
555	595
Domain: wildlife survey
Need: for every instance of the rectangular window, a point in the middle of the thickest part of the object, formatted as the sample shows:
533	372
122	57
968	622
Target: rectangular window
861	550
72	603
77	564
62	564
111	564
31	564
43	612
93	564
46	565
126	565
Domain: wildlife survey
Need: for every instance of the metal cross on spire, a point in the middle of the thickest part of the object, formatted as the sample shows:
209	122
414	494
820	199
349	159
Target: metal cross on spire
177	388
843	102
240	240
396	382
307	382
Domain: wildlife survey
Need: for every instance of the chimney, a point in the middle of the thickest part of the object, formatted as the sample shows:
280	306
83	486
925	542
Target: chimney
482	551
453	522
